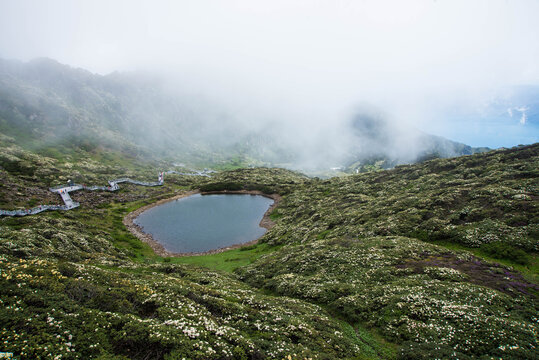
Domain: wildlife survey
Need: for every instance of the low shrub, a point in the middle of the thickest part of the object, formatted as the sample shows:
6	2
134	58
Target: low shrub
221	186
502	250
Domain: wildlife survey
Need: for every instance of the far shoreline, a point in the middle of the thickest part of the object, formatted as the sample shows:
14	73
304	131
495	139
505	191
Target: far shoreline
159	249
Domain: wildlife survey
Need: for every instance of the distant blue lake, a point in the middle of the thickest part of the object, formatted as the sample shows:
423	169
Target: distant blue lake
200	223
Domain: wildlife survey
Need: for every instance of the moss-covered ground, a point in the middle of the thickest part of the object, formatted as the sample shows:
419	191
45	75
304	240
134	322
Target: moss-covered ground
433	260
228	260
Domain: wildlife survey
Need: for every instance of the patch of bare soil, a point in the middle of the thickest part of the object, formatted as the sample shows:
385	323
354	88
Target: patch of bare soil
494	276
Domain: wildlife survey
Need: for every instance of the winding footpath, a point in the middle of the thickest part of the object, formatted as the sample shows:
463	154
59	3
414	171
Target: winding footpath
69	204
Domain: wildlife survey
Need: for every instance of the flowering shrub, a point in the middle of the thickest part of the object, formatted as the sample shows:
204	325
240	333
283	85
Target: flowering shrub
77	285
82	311
368	281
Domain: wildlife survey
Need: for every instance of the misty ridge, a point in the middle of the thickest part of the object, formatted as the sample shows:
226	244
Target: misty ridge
309	85
44	103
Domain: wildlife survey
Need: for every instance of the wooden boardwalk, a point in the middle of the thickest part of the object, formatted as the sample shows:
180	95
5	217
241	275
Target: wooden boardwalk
69	204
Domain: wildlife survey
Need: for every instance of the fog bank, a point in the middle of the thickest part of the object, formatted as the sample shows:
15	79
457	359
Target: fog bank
305	67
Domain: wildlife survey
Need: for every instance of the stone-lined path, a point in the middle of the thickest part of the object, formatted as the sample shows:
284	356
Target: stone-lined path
69	204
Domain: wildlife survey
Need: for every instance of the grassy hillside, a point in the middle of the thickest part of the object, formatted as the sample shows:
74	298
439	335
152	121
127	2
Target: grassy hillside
434	260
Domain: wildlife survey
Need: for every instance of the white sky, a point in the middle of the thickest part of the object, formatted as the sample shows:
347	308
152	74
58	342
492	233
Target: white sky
308	59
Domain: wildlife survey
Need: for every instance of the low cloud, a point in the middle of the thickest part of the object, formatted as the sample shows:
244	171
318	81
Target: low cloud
301	66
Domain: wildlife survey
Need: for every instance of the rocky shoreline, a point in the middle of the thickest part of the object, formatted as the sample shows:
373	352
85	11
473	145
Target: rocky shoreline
136	230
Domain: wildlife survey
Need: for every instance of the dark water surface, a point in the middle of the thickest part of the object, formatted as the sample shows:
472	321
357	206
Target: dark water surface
201	223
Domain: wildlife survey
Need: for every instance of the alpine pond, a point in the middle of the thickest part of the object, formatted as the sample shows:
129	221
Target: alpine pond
201	223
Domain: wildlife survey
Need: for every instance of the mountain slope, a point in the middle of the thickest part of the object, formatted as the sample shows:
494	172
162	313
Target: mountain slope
377	143
389	264
48	106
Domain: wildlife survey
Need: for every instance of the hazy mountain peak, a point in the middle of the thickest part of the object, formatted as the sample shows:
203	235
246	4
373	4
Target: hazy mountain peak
140	109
